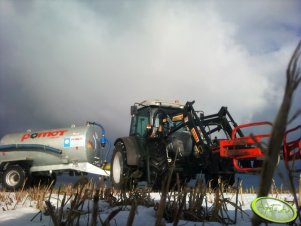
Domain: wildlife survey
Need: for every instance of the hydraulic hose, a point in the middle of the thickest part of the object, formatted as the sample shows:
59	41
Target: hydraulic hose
103	139
33	147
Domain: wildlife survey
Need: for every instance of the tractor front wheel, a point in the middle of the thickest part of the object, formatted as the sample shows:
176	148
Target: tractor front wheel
120	171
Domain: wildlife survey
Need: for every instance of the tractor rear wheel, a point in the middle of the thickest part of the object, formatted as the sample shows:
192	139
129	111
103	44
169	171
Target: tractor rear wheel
13	178
158	165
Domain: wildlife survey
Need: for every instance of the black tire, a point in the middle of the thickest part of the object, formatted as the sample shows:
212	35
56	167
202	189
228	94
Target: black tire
226	179
219	169
211	180
158	165
120	171
13	178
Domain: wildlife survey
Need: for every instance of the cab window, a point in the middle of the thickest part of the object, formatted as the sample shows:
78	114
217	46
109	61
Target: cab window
139	122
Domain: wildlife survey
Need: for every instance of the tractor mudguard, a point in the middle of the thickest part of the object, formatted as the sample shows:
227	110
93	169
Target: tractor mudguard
132	150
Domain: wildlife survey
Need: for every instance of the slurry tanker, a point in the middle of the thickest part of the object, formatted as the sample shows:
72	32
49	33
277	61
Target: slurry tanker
37	157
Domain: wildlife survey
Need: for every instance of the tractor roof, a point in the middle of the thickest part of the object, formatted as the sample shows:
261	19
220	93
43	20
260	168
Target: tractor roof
162	103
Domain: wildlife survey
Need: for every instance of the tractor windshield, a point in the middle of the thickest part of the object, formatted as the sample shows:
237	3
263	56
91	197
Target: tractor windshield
166	115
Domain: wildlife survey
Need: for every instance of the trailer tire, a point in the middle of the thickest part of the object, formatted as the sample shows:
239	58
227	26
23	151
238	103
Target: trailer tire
13	178
120	171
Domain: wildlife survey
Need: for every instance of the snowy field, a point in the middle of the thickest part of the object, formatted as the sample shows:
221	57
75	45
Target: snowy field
25	212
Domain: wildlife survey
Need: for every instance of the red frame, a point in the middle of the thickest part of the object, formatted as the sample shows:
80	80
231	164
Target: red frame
243	148
288	147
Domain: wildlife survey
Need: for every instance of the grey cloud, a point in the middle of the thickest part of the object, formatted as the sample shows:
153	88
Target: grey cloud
65	62
264	26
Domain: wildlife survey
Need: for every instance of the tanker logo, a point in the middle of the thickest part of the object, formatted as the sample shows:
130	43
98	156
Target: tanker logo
74	141
50	134
67	142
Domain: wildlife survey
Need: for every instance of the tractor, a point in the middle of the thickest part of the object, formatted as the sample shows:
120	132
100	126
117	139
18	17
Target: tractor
164	134
169	135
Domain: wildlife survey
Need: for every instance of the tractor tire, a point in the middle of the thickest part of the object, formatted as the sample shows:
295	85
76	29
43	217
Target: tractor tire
158	165
226	179
219	170
120	171
14	178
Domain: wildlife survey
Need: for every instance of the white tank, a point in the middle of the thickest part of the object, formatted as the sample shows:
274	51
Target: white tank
53	147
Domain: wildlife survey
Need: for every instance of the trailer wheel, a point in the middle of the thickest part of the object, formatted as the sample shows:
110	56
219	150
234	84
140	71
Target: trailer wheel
120	171
13	177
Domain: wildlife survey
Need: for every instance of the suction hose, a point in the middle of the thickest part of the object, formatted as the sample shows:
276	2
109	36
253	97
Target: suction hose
34	147
103	140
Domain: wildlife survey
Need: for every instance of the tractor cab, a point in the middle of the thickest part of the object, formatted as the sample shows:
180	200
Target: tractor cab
153	118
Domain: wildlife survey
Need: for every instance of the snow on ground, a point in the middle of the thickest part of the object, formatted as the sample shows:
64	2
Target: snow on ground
24	213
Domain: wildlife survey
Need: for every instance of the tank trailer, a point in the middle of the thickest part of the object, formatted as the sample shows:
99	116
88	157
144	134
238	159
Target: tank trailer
37	157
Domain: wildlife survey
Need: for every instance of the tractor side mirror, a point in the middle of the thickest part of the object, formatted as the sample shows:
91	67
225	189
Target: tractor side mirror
133	109
202	115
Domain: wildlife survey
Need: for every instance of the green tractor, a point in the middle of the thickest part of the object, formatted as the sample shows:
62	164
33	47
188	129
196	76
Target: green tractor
166	134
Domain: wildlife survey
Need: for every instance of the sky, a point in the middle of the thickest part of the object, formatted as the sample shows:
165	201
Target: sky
68	62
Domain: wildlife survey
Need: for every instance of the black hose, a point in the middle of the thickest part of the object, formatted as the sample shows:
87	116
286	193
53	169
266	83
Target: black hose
33	147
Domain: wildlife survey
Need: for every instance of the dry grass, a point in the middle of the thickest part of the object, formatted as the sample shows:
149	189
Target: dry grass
199	204
69	204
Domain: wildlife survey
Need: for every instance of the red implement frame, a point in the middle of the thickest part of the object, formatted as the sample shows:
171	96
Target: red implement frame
244	148
292	149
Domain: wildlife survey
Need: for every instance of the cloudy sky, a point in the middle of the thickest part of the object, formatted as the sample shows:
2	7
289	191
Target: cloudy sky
68	62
